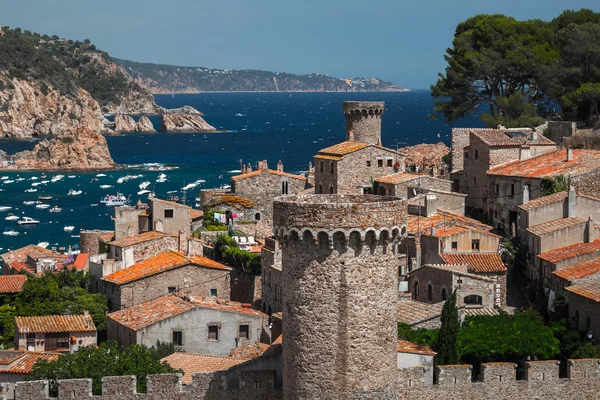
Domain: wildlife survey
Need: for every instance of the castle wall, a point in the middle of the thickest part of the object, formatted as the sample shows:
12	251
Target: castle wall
363	118
354	171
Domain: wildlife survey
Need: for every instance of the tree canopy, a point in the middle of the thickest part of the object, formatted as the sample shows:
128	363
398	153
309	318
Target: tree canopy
522	70
104	360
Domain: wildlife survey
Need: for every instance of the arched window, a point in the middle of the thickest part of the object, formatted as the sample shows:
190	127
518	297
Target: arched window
282	187
473	299
444	294
429	293
257	216
416	290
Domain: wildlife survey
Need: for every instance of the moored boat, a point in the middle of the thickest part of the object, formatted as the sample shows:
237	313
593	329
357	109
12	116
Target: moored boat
74	192
55	209
112	200
28	221
10	232
11	217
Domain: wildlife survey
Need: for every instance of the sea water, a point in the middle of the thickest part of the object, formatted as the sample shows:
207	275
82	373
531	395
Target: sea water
291	127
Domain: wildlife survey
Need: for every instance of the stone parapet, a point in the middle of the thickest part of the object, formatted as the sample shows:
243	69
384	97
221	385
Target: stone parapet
363	120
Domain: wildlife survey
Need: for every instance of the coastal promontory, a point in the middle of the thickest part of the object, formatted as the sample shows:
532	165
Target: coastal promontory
185	119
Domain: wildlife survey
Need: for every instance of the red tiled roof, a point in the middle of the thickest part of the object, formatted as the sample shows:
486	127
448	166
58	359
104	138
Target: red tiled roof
446	231
257	172
343	148
81	261
580	270
12	283
550	164
153	311
196	214
544	201
418	224
190	363
571	251
22	267
404	346
137	239
412	312
500	137
589	289
555	225
106	237
477	262
398	178
55	324
30	250
161	262
24	364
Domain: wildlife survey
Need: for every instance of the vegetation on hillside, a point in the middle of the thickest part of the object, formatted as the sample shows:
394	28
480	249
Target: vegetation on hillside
64	65
519	71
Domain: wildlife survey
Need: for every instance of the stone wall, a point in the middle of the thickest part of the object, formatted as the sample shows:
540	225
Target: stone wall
557	130
89	241
126	221
584	313
498	382
271	277
180	220
353	172
587	183
460	140
363	118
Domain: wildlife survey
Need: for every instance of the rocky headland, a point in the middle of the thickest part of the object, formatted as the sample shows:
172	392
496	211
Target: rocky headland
79	149
185	119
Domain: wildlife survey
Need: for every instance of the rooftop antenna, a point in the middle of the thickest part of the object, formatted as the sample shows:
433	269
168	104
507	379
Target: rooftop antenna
241	164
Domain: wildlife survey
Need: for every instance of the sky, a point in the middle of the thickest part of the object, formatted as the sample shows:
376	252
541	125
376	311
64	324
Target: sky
402	41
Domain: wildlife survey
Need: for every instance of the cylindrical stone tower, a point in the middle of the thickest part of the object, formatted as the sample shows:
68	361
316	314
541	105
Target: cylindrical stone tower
363	121
339	294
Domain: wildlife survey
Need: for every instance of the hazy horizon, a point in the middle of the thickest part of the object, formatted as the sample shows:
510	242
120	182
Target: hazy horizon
401	43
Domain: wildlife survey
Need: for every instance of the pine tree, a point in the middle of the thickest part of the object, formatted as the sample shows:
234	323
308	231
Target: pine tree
446	347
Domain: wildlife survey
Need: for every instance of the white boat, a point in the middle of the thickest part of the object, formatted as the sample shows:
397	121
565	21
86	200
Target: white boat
72	176
36	184
5	208
56	178
100	175
10	232
69	228
19	179
42	206
55	209
145	184
28	221
11	217
105	186
44	182
142	192
43	245
74	192
121	180
4	178
9	181
225	187
34	178
112	200
31	202
30	190
44	198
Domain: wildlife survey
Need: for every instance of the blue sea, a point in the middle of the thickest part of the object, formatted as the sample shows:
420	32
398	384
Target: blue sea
290	127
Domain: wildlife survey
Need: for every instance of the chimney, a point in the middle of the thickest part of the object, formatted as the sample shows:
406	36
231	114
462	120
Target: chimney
569	154
430	204
350	136
590	231
525	194
571	203
418	254
280	166
534	136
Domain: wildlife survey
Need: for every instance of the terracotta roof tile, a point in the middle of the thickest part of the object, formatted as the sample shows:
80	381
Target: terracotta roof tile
161	262
153	311
550	164
477	262
190	363
327	157
555	225
404	346
12	283
24	364
398	178
55	324
446	231
343	148
7	357
412	312
196	214
459	269
544	201
81	261
106	237
571	251
589	289
137	239
502	138
476	311
22	267
258	172
420	225
30	250
578	271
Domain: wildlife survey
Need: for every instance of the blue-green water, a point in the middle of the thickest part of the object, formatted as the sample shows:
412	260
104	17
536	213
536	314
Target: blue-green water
272	126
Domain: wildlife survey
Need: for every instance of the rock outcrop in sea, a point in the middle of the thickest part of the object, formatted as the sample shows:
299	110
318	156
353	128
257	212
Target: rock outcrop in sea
124	123
80	149
184	119
144	125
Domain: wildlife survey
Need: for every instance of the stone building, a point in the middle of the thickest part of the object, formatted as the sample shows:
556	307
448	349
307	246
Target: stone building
572	275
193	324
164	273
418	314
271	276
54	333
584	306
32	260
351	167
338	266
16	366
515	183
475	151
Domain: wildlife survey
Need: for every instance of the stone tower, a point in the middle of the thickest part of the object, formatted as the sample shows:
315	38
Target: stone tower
340	291
363	121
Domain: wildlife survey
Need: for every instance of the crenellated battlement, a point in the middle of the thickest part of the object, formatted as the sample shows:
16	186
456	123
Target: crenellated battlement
364	108
363	121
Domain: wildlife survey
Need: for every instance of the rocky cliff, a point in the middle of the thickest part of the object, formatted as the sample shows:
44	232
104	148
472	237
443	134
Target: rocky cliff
81	148
185	119
144	125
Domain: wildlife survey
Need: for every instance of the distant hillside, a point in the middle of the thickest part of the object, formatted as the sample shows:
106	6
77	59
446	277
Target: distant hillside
160	78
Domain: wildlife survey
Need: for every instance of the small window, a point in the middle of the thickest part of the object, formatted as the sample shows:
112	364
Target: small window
320	189
444	294
320	166
178	338
213	292
244	331
172	289
429	293
473	299
416	290
474	181
466	154
512	189
454	245
380	163
497	189
330	189
213	332
475	244
257	216
331	168
476	154
368	163
168	213
389	162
